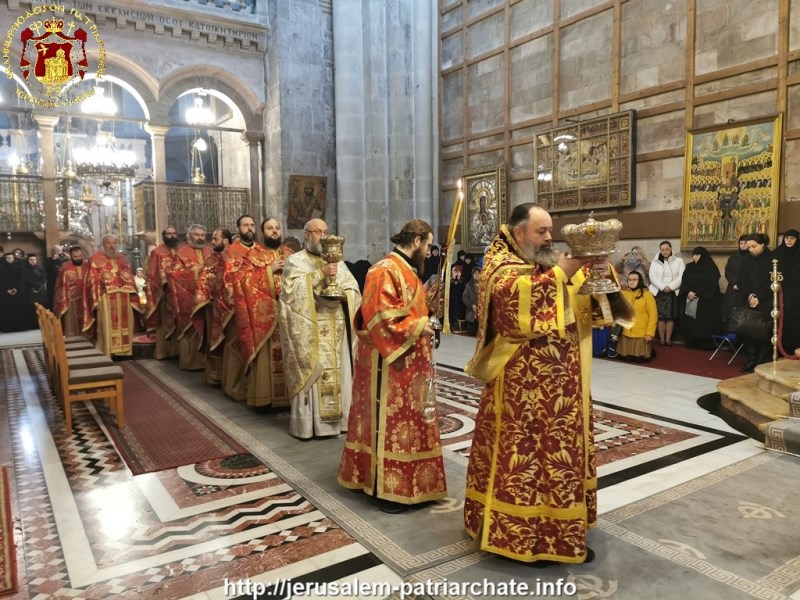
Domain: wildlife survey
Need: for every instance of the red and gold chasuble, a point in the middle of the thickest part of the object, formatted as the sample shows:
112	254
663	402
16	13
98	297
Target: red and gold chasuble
159	264
68	297
255	302
109	295
209	298
232	258
531	482
389	446
182	280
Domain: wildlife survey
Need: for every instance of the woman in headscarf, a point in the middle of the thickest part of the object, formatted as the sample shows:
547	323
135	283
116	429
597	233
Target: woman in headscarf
754	292
34	280
11	295
666	272
431	264
788	255
732	268
635	341
701	284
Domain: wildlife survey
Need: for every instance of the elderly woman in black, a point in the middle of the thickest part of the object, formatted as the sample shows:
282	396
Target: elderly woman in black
700	284
754	292
788	255
34	279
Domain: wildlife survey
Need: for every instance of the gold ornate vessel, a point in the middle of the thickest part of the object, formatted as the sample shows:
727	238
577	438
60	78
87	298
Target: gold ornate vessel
594	239
332	252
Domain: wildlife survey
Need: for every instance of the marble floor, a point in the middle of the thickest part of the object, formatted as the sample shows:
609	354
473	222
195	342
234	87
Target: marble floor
88	529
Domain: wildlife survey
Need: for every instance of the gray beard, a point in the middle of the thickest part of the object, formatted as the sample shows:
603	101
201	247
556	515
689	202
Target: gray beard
314	248
110	254
546	257
198	245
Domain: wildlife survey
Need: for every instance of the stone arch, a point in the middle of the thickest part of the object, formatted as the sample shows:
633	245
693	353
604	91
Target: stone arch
145	85
209	77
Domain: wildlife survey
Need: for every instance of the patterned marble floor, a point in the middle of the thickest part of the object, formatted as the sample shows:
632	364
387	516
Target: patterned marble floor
89	529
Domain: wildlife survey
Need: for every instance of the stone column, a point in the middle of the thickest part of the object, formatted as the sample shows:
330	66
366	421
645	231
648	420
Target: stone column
47	148
253	140
158	133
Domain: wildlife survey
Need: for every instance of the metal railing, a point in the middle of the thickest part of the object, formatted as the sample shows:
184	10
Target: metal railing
21	203
209	205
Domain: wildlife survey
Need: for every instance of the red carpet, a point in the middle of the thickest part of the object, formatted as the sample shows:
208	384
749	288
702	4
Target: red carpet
8	561
680	359
162	430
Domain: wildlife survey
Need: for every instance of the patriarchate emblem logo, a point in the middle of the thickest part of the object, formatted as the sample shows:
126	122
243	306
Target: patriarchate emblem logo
53	54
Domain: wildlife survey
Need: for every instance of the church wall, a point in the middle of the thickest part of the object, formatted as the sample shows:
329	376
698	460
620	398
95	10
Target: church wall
511	68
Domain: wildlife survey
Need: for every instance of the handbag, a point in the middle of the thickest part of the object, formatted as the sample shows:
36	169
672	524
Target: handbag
616	332
691	308
750	323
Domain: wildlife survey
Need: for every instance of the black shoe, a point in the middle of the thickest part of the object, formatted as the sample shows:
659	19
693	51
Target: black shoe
749	367
589	556
387	506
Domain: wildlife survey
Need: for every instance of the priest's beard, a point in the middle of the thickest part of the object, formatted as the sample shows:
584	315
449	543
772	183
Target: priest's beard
77	262
545	256
110	253
198	244
172	242
418	260
247	238
273	243
219	248
314	248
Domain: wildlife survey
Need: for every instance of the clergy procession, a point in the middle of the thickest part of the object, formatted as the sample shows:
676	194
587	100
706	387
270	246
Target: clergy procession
277	327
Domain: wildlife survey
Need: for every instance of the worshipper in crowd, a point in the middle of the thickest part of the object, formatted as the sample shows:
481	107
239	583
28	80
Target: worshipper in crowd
109	299
52	264
34	285
466	271
788	255
182	281
316	338
232	306
359	270
159	317
754	292
635	343
531	481
68	297
457	310
732	268
392	372
211	307
470	300
431	264
666	272
255	298
635	260
11	295
700	283
19	256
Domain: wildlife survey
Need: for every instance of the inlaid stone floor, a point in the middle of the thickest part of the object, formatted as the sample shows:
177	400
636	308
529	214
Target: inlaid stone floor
87	528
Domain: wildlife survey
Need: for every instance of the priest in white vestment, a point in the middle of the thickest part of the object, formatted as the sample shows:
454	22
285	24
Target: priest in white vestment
317	339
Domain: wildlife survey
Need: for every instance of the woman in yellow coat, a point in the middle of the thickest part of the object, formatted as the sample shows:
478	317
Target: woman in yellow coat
635	343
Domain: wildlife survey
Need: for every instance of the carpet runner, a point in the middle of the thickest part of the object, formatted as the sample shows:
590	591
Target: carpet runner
162	430
8	561
680	359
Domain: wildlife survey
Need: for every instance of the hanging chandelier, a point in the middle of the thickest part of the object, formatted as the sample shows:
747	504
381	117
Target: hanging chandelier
199	113
99	104
198	145
105	158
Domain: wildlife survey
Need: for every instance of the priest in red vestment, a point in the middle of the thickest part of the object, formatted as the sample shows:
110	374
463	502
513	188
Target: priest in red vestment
182	280
159	317
110	297
255	300
391	452
68	293
211	307
532	481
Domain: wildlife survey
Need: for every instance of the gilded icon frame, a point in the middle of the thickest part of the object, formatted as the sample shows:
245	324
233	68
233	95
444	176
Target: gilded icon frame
484	208
731	182
587	165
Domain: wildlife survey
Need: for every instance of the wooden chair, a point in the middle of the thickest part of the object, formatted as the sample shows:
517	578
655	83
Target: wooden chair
90	383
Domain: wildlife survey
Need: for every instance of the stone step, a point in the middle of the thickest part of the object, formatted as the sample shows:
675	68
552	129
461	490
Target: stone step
780	378
794	405
742	396
784	436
